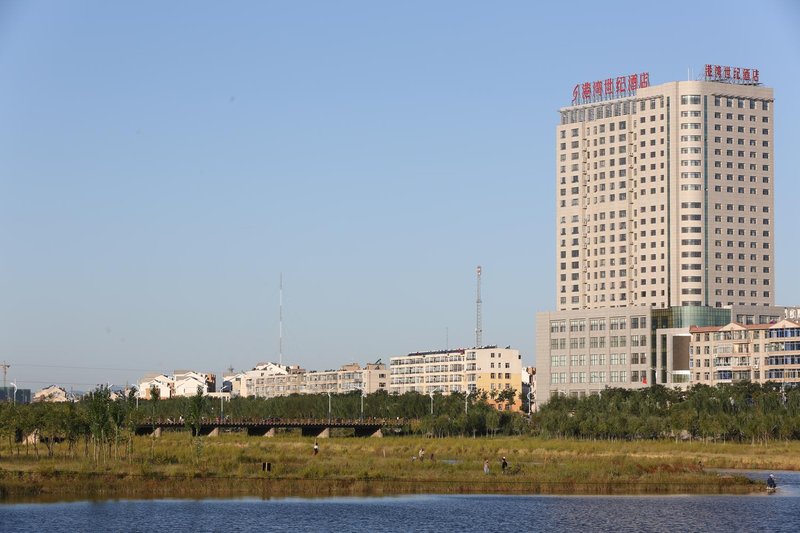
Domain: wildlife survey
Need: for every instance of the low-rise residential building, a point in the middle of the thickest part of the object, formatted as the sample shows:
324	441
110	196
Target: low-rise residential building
489	369
181	383
52	393
162	384
269	380
188	381
754	352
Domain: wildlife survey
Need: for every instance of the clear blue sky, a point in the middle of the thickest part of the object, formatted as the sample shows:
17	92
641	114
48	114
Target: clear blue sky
162	163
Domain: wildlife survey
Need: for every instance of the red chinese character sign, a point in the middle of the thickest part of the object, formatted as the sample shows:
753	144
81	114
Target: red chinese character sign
727	74
610	88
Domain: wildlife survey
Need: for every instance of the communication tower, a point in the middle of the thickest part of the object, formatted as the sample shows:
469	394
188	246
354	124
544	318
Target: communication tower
478	303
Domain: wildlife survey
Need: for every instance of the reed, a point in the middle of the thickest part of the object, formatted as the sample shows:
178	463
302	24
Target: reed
231	465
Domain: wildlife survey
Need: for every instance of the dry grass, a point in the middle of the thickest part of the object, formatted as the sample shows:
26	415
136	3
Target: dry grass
231	465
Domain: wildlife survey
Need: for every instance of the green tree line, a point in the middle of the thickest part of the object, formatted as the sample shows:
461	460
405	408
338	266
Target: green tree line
102	428
741	412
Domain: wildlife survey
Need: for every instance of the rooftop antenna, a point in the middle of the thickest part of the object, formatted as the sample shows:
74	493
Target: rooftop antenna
5	367
478	303
280	322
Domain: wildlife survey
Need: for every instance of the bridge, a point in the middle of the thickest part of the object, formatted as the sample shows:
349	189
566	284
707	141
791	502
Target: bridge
265	427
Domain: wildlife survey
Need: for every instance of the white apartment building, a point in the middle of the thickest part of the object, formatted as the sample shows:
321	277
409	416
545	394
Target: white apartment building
163	384
269	380
186	382
181	383
490	369
665	197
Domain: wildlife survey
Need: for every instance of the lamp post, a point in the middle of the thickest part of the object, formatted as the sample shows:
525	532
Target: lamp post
363	394
466	400
431	395
329	408
14	384
221	407
531	396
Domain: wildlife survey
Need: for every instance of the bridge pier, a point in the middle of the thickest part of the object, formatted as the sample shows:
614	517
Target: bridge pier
315	432
260	432
368	432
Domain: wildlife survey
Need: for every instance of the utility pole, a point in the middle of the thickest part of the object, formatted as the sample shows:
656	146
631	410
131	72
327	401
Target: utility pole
478	303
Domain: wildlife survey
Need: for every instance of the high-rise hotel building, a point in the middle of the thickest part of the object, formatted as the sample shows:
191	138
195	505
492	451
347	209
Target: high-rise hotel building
665	197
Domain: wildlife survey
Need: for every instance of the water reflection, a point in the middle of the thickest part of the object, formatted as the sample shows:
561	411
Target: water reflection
777	512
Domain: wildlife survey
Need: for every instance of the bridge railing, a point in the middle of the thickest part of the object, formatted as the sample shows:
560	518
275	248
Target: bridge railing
276	421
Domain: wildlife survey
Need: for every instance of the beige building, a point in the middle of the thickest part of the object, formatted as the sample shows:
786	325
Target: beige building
756	353
269	380
372	378
490	369
665	198
588	350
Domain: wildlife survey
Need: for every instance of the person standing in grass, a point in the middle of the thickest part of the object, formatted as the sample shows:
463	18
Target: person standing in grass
316	448
486	466
421	454
504	465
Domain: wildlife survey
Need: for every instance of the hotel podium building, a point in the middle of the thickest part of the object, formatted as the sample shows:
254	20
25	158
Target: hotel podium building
664	208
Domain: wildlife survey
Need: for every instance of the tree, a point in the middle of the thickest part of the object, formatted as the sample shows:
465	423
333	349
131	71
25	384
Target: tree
194	418
507	397
100	422
195	412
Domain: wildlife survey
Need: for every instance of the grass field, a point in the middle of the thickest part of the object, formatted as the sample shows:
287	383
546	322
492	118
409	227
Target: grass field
231	465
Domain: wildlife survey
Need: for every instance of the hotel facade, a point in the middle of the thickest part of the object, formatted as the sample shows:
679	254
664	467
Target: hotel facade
664	220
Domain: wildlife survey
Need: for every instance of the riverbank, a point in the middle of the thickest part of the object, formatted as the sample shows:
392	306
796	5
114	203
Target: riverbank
176	466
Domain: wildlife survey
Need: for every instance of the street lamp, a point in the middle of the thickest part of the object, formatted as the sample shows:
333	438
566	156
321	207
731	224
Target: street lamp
329	408
466	400
531	396
14	384
431	395
363	394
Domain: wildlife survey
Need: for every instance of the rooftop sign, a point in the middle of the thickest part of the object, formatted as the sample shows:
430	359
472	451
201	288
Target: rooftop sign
746	76
610	88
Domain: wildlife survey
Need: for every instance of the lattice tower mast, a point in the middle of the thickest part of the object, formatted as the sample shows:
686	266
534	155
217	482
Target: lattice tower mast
478	318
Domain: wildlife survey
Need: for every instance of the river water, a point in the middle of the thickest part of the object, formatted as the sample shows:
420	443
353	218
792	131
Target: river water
762	512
